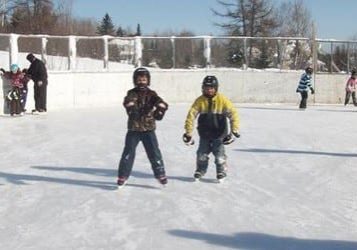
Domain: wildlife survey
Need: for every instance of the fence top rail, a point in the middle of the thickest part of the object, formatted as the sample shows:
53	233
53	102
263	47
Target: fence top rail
178	37
336	41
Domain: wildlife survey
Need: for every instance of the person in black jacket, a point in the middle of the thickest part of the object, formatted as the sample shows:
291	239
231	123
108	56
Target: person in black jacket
38	73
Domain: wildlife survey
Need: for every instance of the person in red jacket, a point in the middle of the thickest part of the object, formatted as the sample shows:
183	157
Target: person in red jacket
15	96
351	89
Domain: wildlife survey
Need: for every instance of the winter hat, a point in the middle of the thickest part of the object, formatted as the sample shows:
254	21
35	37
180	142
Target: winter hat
14	68
30	57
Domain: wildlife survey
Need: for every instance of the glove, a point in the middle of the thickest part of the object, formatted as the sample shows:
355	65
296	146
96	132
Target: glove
160	111
236	134
188	139
39	83
312	91
228	139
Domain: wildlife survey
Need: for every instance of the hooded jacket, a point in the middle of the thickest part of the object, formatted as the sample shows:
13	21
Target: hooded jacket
212	117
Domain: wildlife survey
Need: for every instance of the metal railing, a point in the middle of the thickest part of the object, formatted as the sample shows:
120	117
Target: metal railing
107	53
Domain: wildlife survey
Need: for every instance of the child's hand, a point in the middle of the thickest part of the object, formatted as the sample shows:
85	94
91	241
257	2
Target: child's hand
228	139
160	111
236	134
187	139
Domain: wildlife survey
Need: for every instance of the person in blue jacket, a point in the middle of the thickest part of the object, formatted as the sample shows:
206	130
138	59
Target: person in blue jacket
305	84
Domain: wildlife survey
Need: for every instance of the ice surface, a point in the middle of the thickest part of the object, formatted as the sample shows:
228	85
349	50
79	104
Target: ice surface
291	183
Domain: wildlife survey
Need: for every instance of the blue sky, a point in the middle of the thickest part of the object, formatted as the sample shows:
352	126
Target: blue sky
333	18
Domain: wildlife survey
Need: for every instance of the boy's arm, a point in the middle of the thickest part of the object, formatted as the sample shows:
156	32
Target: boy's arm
233	117
190	119
129	103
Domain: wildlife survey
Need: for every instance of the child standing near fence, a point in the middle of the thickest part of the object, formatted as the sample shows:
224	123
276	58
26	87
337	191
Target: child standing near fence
304	86
351	88
14	97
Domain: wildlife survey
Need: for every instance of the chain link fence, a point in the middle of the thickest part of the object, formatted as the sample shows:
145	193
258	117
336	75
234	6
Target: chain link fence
106	53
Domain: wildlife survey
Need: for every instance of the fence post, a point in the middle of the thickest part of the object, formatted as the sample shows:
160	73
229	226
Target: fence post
43	49
207	51
314	57
348	58
106	52
173	52
72	52
138	51
14	48
246	63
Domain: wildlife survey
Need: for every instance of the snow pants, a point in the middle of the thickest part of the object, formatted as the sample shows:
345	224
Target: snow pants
348	96
303	101
151	145
214	146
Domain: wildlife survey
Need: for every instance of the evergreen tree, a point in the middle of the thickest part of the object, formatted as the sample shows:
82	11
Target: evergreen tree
120	32
106	27
138	30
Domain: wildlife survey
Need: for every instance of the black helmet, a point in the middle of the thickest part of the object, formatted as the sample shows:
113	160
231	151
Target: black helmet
141	72
309	70
210	81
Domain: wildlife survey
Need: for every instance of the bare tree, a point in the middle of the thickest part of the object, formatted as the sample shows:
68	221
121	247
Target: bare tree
247	17
294	19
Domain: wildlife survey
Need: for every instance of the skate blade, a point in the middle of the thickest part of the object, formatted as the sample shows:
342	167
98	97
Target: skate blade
220	180
197	179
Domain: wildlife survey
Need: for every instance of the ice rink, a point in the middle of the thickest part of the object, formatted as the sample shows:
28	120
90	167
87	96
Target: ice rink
291	185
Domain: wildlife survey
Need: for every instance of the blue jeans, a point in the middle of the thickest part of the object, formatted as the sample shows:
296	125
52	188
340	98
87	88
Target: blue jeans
214	146
151	146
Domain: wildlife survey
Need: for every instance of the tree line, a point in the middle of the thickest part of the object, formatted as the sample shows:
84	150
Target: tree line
241	17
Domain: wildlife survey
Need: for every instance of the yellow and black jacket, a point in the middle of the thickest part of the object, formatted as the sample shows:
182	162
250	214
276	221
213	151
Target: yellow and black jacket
213	114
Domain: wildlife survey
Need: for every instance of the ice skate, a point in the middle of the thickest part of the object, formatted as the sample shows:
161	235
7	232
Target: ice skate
162	180
221	176
197	176
121	182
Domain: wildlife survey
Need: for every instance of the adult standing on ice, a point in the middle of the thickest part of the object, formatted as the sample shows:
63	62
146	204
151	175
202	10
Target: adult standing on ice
143	107
213	110
38	73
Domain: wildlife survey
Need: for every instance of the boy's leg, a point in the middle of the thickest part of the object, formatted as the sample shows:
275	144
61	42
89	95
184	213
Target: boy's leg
220	158
151	146
23	99
354	98
127	159
204	149
13	107
347	97
303	99
18	108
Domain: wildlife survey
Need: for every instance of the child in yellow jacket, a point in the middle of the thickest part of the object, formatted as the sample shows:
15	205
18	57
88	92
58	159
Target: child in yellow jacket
214	110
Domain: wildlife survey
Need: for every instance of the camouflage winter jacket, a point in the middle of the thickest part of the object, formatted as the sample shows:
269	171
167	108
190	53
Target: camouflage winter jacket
140	105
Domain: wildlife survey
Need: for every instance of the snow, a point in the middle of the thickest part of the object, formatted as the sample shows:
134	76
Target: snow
291	183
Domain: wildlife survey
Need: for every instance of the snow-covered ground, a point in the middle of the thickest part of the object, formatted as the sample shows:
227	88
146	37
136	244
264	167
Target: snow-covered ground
291	184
